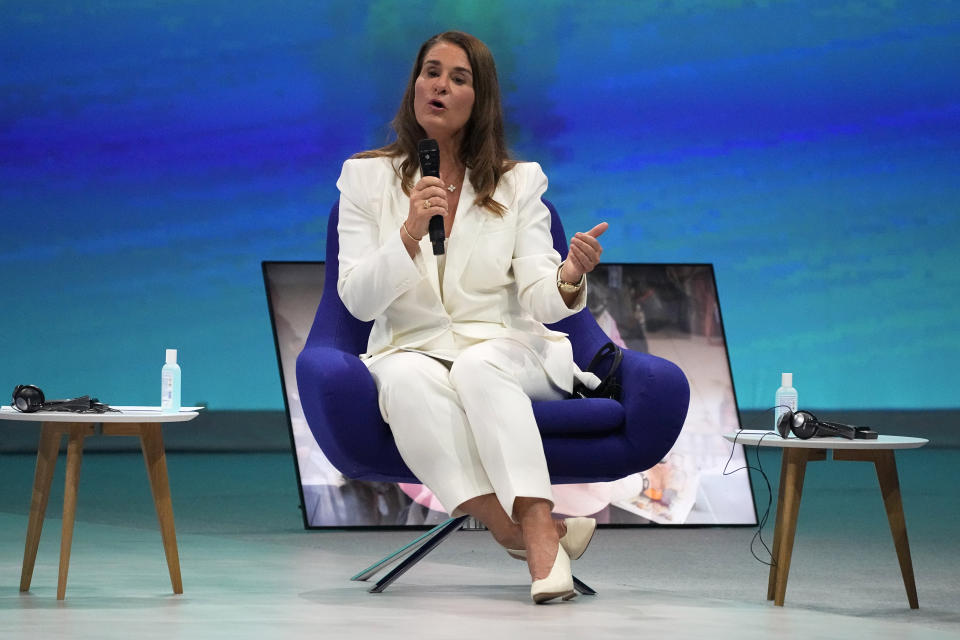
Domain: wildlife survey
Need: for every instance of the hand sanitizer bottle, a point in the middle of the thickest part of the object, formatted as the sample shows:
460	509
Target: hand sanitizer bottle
785	399
170	384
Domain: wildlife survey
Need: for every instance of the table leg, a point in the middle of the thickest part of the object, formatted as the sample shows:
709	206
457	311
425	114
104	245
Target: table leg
777	531
72	482
47	452
893	502
795	461
886	466
151	442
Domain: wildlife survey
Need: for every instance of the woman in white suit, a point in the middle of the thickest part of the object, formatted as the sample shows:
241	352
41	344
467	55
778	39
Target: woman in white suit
458	347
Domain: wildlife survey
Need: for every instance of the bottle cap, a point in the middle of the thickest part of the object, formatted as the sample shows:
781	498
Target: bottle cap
786	379
171	356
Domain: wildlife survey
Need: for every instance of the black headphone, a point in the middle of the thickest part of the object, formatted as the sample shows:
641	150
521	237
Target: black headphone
605	365
28	398
805	425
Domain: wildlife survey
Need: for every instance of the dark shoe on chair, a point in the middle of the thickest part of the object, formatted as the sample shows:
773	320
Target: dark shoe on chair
575	541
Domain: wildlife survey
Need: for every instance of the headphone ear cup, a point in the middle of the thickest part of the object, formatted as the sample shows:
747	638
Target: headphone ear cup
784	423
27	398
804	425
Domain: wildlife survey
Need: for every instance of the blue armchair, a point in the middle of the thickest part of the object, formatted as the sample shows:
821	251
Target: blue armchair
585	440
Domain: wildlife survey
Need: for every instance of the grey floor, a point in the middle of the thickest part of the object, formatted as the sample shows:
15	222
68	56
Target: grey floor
250	570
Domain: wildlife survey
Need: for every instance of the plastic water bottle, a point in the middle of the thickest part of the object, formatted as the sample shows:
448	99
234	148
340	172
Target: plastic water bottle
785	399
170	384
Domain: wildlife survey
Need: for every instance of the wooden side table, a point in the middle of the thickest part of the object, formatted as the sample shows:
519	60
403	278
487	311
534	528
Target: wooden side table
143	422
796	454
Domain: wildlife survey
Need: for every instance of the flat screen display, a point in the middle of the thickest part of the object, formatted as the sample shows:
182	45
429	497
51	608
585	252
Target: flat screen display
669	310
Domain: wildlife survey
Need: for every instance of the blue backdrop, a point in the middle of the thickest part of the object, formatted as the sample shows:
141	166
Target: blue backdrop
153	153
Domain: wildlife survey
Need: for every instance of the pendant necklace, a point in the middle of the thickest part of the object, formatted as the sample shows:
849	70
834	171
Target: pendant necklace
452	186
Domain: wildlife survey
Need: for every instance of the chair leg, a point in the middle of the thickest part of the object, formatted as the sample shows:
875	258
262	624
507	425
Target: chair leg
410	547
417	553
418	549
583	587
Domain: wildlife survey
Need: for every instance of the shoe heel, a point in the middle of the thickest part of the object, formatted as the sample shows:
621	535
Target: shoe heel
579	534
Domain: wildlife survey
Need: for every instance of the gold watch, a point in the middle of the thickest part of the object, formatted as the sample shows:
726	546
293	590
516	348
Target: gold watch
569	287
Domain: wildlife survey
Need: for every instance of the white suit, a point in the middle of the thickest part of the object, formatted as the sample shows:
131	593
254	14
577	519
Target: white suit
464	429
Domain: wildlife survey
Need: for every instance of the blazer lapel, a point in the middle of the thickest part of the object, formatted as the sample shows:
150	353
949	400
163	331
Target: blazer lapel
467	227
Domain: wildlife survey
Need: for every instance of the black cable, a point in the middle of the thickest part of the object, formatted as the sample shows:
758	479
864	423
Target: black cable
766	514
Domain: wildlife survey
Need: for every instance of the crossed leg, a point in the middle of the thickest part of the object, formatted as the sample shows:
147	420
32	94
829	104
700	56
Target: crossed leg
469	434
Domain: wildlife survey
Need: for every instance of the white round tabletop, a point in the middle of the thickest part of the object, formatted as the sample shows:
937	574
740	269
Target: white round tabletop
123	414
773	439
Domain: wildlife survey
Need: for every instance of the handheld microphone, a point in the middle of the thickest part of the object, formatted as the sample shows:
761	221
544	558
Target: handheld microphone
429	152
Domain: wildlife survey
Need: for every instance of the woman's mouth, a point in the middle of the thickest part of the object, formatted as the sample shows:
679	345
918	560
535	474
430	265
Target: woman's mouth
436	104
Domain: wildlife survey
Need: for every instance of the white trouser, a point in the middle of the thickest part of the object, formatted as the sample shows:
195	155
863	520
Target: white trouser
469	430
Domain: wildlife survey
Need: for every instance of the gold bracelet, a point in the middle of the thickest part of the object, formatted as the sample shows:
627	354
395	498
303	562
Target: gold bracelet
404	227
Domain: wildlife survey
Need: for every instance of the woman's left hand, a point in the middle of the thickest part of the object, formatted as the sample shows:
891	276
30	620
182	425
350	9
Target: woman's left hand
584	254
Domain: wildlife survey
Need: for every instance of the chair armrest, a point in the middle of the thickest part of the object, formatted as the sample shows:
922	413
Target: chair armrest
655	397
339	400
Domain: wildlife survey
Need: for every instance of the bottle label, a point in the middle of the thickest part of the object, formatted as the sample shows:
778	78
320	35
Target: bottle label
166	391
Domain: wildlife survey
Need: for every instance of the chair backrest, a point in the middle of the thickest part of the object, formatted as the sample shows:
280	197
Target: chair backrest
334	326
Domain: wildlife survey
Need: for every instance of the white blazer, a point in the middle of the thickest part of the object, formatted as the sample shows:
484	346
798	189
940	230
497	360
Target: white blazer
500	278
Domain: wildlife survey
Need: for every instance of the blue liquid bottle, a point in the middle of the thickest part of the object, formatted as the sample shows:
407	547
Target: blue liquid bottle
170	384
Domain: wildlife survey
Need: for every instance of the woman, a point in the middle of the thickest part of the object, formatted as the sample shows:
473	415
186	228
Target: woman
458	347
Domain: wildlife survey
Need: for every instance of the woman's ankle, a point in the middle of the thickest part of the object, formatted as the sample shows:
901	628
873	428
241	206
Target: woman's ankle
509	539
541	554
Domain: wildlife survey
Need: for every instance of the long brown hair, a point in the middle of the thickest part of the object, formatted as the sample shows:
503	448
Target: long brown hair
483	148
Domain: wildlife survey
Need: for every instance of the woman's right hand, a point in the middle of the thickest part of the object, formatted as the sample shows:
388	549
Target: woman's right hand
428	199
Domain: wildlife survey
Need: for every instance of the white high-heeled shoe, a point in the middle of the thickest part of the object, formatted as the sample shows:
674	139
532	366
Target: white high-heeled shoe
575	541
559	582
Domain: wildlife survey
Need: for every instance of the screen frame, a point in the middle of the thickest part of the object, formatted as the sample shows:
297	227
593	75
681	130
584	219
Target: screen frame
267	265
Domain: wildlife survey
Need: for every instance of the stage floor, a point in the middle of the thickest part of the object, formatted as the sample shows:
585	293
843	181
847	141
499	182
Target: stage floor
251	571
